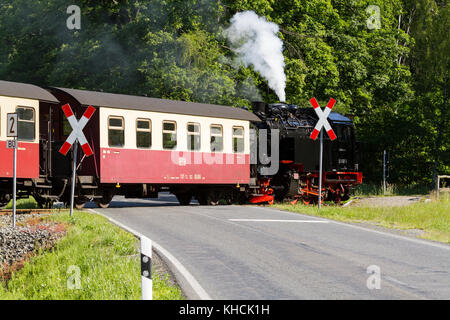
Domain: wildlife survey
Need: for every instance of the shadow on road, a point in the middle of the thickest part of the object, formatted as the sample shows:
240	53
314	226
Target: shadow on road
164	200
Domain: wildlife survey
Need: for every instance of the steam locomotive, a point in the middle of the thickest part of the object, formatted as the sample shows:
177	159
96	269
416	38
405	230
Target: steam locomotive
143	145
298	174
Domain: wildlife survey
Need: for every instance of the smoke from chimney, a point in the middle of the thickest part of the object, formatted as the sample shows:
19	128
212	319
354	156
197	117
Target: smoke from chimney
256	43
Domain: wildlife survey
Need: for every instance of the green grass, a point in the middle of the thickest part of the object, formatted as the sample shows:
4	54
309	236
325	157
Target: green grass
106	255
432	217
25	203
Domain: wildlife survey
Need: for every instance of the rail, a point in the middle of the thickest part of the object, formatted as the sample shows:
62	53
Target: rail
4	212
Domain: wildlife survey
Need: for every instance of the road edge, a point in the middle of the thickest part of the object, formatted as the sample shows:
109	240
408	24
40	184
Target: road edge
189	285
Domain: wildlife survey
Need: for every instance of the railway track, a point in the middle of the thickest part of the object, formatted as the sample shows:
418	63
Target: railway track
5	212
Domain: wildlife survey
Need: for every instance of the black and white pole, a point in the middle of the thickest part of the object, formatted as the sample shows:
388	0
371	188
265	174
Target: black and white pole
146	269
74	172
320	168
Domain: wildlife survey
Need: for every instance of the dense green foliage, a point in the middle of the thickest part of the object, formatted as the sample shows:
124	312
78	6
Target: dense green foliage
392	80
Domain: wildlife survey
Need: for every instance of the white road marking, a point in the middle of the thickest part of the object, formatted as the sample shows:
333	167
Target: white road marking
274	220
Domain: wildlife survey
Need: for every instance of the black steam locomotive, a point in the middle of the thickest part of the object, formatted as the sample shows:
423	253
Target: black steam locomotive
298	174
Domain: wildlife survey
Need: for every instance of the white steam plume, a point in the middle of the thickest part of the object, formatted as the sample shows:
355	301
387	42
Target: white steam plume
256	43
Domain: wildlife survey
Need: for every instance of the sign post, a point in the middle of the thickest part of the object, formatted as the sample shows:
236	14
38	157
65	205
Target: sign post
12	132
320	168
323	122
74	169
76	135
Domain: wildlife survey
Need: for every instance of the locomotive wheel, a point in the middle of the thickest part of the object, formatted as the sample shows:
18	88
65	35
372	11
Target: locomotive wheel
103	204
213	199
184	198
306	200
104	201
337	198
41	202
80	204
207	199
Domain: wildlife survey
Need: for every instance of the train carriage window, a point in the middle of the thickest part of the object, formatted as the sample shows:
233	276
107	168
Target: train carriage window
216	138
169	134
143	133
116	132
25	123
238	139
193	136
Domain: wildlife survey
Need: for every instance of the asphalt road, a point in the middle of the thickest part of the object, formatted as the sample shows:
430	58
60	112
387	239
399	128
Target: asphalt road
246	252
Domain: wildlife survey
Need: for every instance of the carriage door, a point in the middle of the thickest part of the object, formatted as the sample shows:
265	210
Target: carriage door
60	166
45	139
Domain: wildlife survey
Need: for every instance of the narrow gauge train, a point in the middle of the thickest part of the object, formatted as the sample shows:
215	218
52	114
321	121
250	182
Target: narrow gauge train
145	145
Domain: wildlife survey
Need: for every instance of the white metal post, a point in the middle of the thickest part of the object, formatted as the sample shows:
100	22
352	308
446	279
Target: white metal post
146	269
74	170
320	167
14	181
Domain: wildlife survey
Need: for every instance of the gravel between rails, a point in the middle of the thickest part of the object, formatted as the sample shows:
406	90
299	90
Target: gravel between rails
17	243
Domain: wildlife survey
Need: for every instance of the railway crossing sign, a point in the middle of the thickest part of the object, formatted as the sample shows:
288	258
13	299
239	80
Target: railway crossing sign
77	133
322	123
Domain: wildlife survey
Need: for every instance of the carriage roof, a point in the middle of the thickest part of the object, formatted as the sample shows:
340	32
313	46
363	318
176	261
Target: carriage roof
122	101
25	90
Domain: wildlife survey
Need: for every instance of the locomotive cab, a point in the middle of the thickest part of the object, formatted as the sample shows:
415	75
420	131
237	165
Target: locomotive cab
298	174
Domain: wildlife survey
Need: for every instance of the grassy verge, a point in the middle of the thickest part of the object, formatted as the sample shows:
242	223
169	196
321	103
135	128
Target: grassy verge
107	258
433	217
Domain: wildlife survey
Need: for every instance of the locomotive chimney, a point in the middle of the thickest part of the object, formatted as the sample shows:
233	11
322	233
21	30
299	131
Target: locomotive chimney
259	106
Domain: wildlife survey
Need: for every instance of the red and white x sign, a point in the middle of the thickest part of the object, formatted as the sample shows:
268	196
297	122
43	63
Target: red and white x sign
77	133
323	122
